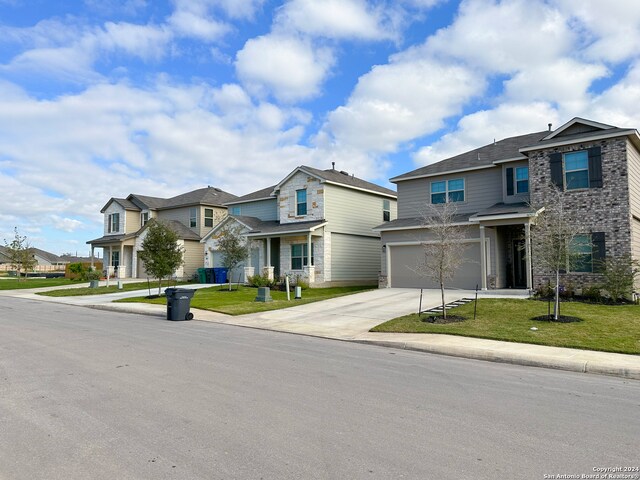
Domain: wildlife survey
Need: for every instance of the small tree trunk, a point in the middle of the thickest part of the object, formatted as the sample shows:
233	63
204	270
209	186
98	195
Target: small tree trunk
159	285
556	307
444	310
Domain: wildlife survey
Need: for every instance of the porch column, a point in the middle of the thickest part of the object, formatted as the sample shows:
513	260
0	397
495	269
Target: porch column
527	245
483	259
309	257
388	259
120	262
92	252
268	269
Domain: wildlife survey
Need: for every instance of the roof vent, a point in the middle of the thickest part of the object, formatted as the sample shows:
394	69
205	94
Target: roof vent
217	189
333	165
550	126
344	173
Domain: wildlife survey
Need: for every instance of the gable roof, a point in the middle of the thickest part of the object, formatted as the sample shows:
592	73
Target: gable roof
48	256
258	228
263	194
123	202
483	157
587	125
340	178
211	196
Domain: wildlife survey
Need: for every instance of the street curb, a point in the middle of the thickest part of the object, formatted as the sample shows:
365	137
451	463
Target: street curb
111	308
580	366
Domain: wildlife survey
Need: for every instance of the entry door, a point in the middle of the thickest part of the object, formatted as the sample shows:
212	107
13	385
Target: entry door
519	265
115	259
275	256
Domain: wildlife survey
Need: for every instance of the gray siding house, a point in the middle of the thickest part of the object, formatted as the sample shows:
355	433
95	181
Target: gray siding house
498	190
191	215
314	224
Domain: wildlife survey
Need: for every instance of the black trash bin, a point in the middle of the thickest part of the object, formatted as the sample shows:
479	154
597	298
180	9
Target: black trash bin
210	275
179	303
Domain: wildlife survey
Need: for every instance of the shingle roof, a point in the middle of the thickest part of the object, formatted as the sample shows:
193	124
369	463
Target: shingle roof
343	178
415	222
123	202
274	227
257	195
108	239
203	196
505	149
505	209
577	136
48	256
181	230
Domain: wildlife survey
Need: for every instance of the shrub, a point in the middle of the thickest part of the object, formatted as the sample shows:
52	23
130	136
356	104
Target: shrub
619	274
592	293
260	281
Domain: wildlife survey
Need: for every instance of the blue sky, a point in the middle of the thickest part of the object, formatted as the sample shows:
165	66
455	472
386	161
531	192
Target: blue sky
102	98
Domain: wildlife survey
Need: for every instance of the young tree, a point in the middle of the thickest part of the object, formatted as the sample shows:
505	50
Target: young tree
443	253
619	275
556	239
233	246
19	253
160	252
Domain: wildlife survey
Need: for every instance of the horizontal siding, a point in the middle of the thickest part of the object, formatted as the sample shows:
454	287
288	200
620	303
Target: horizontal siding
354	212
354	258
264	209
635	244
483	188
193	258
634	178
111	209
132	222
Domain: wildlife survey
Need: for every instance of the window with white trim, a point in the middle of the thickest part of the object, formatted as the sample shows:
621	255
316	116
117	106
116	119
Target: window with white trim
144	218
299	256
447	191
193	217
113	223
386	210
208	217
301	202
576	170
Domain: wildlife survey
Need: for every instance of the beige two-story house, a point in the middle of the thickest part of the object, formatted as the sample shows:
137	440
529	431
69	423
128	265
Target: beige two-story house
191	215
314	224
498	191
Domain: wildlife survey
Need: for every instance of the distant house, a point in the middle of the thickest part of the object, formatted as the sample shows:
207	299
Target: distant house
42	258
497	189
191	215
314	224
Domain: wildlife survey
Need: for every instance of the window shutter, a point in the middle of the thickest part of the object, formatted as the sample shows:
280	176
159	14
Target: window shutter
598	251
509	181
555	160
595	168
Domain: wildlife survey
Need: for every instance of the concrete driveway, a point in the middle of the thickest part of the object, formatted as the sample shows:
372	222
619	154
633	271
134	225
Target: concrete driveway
342	318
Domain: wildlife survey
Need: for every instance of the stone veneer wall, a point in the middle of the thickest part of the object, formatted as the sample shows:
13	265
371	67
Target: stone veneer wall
318	256
603	209
287	199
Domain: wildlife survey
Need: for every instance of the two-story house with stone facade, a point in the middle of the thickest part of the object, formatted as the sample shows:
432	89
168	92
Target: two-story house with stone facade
314	224
191	215
499	190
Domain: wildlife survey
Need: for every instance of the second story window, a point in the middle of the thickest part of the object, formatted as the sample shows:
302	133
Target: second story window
576	170
113	223
144	218
386	210
301	202
517	180
447	191
193	217
208	217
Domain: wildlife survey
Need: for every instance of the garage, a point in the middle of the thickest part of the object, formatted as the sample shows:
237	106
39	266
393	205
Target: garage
404	259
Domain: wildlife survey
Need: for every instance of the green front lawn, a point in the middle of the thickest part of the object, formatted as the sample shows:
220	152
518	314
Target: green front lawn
15	284
112	288
604	327
241	301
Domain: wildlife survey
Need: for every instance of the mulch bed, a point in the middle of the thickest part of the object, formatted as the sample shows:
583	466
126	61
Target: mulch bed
561	319
440	320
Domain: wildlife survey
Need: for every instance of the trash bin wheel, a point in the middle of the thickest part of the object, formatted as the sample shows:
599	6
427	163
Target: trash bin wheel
189	316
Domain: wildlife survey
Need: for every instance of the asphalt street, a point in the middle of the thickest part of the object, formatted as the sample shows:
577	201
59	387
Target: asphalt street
91	394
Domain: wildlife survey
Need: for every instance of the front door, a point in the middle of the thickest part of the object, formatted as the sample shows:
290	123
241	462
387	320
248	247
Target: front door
519	265
275	256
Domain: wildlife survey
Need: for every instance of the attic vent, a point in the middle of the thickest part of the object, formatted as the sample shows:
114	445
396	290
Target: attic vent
217	189
344	173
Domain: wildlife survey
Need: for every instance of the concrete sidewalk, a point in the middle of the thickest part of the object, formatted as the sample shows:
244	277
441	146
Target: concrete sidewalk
350	318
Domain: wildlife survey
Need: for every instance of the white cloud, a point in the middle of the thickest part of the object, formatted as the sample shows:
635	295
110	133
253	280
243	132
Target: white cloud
65	224
290	68
503	36
239	9
335	19
401	101
190	23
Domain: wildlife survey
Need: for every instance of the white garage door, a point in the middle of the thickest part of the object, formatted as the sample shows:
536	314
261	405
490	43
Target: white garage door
405	258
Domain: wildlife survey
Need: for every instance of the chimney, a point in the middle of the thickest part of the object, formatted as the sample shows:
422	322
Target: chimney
550	126
333	165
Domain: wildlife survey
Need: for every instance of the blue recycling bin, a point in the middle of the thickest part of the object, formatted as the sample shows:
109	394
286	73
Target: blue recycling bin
221	274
